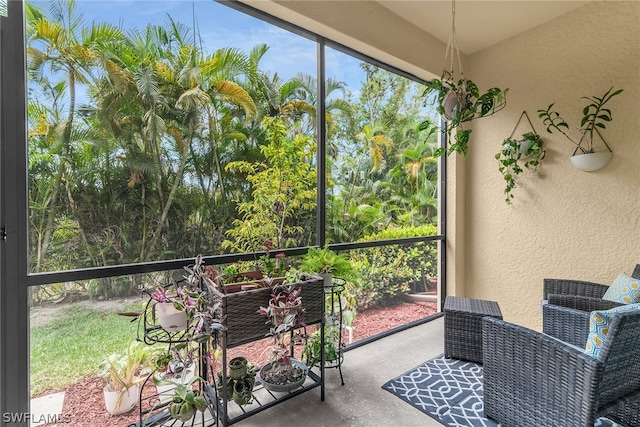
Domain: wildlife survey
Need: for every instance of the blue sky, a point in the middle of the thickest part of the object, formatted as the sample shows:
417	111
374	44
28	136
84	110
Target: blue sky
221	26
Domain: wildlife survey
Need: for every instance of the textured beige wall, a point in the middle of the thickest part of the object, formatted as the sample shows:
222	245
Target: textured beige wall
563	223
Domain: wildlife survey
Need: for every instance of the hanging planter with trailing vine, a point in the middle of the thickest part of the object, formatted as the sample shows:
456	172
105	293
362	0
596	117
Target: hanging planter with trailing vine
517	155
461	101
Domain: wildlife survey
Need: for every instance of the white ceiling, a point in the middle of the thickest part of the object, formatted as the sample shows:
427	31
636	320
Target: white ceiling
479	23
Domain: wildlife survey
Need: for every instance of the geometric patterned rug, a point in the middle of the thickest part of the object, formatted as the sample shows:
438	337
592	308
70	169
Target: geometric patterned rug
450	391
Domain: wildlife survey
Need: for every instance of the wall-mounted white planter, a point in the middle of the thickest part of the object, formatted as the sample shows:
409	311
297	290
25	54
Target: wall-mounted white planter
591	161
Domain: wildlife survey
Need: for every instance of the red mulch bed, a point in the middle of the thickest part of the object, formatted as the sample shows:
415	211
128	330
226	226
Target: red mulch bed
84	400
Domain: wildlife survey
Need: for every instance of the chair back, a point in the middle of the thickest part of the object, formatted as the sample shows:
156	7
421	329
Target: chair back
636	272
620	358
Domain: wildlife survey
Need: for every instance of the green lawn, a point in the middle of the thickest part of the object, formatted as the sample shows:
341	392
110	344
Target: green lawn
74	344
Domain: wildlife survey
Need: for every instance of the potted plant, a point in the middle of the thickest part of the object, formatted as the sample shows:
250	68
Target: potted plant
239	382
192	300
284	312
311	353
161	360
122	374
238	367
243	387
186	399
516	154
594	117
181	368
461	102
327	264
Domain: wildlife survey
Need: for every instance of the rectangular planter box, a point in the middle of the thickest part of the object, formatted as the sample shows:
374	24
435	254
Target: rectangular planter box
240	316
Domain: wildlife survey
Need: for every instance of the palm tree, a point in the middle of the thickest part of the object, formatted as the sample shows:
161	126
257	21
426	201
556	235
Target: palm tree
61	45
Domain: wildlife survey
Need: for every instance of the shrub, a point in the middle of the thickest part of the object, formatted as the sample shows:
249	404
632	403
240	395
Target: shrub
388	272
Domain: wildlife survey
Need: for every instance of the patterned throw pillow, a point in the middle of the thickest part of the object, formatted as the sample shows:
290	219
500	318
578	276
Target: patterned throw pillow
625	290
599	324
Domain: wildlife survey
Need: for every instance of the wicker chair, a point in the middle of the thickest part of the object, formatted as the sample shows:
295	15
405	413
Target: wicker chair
569	305
533	379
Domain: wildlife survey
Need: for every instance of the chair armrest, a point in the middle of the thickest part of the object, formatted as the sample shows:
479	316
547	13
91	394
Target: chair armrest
581	302
573	287
567	324
531	376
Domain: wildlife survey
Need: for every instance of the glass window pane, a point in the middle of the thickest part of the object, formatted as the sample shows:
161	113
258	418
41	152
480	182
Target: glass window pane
159	130
382	177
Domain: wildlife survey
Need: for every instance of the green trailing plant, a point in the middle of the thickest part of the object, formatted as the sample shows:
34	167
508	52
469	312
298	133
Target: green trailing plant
516	155
311	350
594	117
460	102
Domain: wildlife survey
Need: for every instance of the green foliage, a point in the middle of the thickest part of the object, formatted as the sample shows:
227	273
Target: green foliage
511	154
74	344
159	166
283	190
123	370
324	260
469	105
594	116
111	287
311	350
389	271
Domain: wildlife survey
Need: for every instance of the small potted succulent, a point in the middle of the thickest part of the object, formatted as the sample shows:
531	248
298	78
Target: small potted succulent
594	117
161	360
517	154
284	312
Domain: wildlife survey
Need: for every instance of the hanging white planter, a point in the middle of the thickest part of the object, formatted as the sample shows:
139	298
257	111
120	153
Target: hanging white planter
170	318
450	105
121	402
591	161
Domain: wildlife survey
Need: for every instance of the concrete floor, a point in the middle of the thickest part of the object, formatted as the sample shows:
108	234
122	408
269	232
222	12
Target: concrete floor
362	401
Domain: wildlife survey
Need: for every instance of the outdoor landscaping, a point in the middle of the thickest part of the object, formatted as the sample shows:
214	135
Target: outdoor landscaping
76	365
148	144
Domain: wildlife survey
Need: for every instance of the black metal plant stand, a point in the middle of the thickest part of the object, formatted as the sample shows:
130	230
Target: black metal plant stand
333	319
153	411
